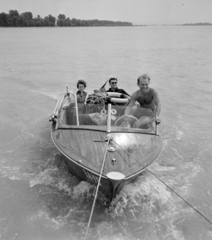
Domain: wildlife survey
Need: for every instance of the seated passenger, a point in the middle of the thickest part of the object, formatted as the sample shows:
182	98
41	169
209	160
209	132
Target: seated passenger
81	94
114	88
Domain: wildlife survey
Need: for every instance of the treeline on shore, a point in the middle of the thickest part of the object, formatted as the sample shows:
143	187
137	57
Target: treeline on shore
26	19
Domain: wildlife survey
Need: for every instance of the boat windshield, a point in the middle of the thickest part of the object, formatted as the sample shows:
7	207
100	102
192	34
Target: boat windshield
105	114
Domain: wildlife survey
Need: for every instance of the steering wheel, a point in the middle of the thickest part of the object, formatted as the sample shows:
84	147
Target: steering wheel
125	121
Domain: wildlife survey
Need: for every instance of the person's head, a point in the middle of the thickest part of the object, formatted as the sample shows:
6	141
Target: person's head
81	85
143	82
113	82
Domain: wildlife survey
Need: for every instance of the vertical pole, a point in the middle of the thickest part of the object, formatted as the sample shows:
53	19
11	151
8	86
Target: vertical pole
67	92
109	117
76	105
156	127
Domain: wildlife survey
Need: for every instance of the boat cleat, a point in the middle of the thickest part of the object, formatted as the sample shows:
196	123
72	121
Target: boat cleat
108	138
113	161
52	118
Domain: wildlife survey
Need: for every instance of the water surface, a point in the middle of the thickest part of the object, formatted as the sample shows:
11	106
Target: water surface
40	199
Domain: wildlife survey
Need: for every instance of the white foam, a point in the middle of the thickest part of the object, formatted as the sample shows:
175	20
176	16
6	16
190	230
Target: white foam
179	134
45	92
51	177
42	216
43	177
10	172
83	188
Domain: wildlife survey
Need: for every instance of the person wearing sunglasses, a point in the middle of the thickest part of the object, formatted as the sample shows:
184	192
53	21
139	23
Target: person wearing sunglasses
114	88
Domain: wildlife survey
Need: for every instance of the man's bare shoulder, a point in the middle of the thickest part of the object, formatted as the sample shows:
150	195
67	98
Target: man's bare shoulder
154	91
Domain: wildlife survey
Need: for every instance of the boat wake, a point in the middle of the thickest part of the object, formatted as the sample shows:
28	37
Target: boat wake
147	208
47	93
144	209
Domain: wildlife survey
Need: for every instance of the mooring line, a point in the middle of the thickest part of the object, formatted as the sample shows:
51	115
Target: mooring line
196	210
97	188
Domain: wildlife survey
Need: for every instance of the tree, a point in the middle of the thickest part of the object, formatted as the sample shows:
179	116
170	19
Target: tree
13	13
13	18
26	19
3	19
52	20
46	21
61	17
21	21
27	15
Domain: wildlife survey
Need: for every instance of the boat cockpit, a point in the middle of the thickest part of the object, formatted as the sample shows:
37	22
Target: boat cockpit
105	113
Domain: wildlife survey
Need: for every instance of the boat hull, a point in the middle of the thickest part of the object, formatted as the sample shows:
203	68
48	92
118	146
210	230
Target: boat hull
110	187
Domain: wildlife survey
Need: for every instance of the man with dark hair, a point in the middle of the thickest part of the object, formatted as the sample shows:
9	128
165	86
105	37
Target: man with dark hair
113	87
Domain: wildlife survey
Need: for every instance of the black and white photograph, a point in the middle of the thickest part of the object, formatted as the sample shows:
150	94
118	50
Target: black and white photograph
106	120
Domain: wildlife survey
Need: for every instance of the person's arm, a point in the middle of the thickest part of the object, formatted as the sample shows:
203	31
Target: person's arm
157	104
128	109
109	90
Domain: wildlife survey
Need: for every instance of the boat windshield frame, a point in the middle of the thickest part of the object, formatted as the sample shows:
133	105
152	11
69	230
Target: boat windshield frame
103	116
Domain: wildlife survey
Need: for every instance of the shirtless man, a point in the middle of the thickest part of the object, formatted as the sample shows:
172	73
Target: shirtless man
147	98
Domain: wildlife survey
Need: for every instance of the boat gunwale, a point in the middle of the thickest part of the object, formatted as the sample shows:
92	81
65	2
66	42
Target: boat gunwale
103	129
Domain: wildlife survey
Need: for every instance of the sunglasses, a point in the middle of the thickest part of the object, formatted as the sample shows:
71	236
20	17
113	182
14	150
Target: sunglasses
113	82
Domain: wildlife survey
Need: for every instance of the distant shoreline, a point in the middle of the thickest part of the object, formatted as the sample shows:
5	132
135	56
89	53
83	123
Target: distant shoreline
196	24
26	19
133	25
173	25
154	25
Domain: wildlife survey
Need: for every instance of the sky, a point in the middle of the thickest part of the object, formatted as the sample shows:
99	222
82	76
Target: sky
134	11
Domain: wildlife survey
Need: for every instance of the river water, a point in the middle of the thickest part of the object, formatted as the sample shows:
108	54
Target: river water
40	199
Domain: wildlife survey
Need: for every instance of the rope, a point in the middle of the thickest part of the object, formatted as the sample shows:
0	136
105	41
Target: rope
196	210
97	188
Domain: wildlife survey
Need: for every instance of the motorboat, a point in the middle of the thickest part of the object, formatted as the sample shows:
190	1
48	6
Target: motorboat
100	143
